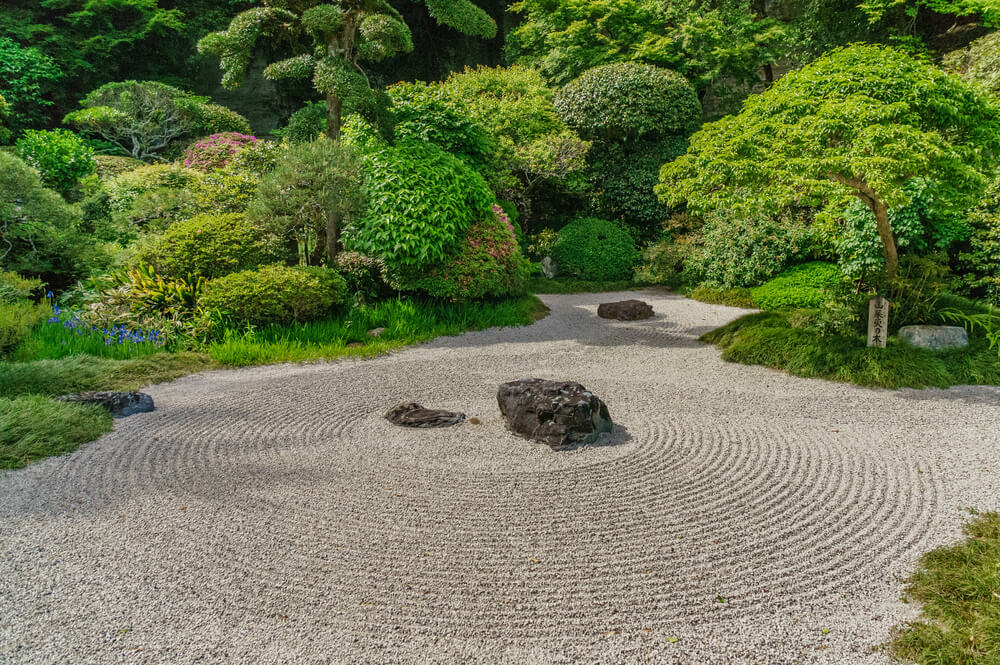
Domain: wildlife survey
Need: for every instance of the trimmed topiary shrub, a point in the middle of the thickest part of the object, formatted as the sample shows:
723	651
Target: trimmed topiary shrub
306	124
488	263
59	155
211	246
595	249
111	166
275	294
215	151
740	249
422	200
807	285
124	189
628	100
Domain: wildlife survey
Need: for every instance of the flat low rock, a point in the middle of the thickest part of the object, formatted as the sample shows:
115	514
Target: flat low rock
625	310
120	404
411	414
935	338
560	414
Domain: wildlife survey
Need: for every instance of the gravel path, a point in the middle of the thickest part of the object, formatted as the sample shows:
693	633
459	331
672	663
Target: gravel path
269	515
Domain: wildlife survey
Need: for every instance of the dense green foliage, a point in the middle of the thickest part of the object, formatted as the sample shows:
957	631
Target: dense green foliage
275	294
211	246
38	229
706	42
623	176
536	153
27	78
806	285
979	262
742	248
958	587
422	200
60	156
595	249
149	120
860	121
628	100
433	114
487	264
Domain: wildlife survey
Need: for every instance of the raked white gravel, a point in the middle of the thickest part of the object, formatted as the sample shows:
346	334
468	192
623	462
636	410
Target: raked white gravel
270	515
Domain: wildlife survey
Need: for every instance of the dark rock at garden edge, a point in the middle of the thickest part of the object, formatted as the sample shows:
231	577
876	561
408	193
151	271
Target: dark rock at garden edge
411	414
626	310
120	404
560	414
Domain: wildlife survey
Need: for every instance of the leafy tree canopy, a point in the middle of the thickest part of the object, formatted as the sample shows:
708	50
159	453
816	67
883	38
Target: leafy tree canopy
863	121
704	41
27	78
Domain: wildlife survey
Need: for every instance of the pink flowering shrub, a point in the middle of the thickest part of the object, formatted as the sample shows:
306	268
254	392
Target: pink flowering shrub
214	152
488	263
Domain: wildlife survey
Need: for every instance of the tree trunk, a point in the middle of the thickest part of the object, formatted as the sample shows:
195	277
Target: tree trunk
334	106
878	207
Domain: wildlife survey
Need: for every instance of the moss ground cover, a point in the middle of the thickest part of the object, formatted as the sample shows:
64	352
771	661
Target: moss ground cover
772	339
959	588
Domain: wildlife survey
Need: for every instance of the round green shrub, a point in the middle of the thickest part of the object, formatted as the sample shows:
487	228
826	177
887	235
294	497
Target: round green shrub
125	188
306	124
488	263
745	249
275	294
211	246
110	166
628	100
422	200
60	156
595	249
807	285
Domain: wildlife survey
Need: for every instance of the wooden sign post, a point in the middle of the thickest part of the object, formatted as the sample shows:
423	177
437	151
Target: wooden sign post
878	321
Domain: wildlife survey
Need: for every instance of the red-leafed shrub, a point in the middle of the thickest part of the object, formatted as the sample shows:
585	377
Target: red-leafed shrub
214	152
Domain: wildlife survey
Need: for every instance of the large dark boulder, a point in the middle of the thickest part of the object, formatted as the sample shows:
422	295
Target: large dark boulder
120	404
558	413
411	414
626	310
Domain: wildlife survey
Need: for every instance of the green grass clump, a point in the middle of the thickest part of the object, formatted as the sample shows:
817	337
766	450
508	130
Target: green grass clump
805	285
735	297
33	427
959	588
770	339
405	322
78	373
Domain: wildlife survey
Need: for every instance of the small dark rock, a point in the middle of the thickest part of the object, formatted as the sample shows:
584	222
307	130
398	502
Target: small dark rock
411	414
626	310
560	414
120	404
